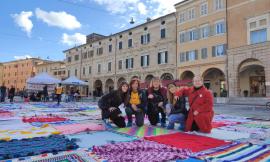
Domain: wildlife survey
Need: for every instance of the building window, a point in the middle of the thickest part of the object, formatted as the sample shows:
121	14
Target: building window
100	51
191	14
120	45
59	72
204	53
182	37
163	57
110	48
163	33
76	72
91	53
192	55
205	29
218	50
85	55
204	9
145	38
192	35
120	65
68	73
258	36
90	70
76	57
99	68
220	27
218	4
145	61
69	59
109	66
129	43
182	57
129	63
182	17
83	70
55	73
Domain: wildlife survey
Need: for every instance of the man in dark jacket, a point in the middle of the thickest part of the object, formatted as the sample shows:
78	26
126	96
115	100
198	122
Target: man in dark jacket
11	94
109	105
3	90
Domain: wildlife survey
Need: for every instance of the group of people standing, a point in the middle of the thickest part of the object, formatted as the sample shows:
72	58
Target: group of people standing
157	100
7	92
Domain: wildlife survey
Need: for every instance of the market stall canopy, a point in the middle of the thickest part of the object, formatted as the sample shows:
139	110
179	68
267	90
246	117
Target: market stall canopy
72	80
43	78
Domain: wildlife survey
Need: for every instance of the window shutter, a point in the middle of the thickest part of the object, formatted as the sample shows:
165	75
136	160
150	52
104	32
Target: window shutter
213	51
148	37
186	36
148	59
159	58
126	63
141	60
196	36
196	54
224	27
212	30
132	62
225	49
166	57
187	56
141	39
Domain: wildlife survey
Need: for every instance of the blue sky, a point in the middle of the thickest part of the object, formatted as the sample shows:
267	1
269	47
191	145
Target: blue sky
39	28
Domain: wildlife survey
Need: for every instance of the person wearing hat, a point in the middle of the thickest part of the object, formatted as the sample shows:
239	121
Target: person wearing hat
137	102
201	103
157	99
176	109
109	105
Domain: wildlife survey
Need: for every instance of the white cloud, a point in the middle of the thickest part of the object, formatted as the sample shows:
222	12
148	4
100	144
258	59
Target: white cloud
22	57
163	7
59	19
23	21
142	8
75	39
117	6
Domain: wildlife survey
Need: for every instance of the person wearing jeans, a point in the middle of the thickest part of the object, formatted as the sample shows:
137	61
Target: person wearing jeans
176	109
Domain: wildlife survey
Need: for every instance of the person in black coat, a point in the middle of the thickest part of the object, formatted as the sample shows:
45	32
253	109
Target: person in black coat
11	94
137	103
176	109
45	93
109	105
3	90
156	102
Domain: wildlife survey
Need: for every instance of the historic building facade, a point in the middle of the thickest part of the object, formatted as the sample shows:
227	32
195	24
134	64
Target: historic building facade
249	48
143	51
202	42
54	68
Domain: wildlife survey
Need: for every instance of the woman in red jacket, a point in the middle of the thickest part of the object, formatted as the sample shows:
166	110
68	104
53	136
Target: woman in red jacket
201	111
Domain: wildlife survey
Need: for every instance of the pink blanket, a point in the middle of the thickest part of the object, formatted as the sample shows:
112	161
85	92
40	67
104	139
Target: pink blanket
77	128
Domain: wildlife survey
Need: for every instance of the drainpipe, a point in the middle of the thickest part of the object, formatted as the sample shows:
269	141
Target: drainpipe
227	41
176	34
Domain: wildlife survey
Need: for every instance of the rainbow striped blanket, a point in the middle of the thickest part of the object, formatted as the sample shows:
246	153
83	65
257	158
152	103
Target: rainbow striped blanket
144	131
236	152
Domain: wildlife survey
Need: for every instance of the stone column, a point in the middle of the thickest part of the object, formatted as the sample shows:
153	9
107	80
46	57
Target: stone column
267	81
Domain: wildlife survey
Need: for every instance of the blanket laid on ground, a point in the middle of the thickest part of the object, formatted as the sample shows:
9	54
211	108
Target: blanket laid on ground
88	140
258	135
140	150
77	128
47	118
188	141
35	146
27	132
144	131
236	152
224	134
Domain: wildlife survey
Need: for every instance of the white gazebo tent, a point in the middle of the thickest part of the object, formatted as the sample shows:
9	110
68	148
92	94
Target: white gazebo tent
72	80
40	80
